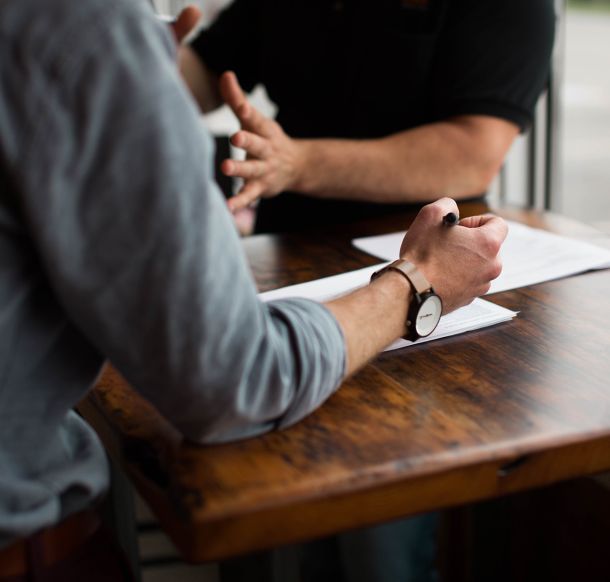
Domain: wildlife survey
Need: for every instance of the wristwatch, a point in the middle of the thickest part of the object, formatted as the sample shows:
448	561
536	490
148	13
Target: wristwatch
426	306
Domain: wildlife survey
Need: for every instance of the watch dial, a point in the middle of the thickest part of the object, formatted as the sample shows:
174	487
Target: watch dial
428	316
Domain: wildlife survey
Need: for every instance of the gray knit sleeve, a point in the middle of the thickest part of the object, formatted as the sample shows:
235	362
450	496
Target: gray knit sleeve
140	249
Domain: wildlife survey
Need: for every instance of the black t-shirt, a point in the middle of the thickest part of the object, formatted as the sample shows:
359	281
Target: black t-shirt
364	69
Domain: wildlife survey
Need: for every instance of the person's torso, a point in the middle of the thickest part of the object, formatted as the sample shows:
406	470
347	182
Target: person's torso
346	69
51	462
350	68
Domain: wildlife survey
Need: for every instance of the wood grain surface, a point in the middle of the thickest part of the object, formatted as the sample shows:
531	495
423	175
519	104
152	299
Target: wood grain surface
504	409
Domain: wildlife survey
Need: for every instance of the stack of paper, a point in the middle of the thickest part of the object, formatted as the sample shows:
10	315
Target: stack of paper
529	255
478	314
474	316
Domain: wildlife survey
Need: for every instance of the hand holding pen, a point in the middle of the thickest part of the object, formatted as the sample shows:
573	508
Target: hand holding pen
460	263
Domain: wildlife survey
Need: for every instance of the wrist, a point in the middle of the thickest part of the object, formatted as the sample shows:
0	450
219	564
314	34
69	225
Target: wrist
394	284
395	293
424	305
420	261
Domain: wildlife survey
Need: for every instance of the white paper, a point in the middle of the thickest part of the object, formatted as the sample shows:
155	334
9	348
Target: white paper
529	255
327	288
478	314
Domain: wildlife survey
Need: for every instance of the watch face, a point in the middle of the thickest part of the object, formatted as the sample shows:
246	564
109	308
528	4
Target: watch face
428	315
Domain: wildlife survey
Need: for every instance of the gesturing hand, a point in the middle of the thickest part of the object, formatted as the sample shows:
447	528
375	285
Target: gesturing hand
459	261
273	161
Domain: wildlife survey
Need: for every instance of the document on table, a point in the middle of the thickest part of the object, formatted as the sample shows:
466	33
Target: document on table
529	255
478	314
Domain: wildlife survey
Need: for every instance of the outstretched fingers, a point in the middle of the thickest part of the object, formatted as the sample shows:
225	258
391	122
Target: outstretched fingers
254	145
250	192
246	169
249	117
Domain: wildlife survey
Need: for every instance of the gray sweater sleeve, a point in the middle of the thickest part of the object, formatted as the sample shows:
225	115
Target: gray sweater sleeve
139	247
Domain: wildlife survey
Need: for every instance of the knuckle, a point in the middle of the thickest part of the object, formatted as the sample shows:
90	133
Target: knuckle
430	212
446	200
490	246
496	269
503	227
495	245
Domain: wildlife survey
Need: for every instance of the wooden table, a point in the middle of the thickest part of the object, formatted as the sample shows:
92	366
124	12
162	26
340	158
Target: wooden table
499	410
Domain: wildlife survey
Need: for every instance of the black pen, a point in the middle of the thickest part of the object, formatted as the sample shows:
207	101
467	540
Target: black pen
451	219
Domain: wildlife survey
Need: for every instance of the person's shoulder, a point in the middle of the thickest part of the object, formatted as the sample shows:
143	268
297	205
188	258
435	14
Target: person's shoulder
48	31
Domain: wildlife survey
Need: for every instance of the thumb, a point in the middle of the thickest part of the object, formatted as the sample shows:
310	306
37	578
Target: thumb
186	22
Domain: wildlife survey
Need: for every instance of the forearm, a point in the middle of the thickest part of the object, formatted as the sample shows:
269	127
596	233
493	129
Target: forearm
453	158
372	317
202	82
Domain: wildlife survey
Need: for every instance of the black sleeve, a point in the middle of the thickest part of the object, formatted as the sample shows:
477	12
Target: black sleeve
494	59
233	43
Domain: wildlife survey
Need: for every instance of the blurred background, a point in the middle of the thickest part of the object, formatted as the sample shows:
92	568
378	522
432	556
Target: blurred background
585	158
